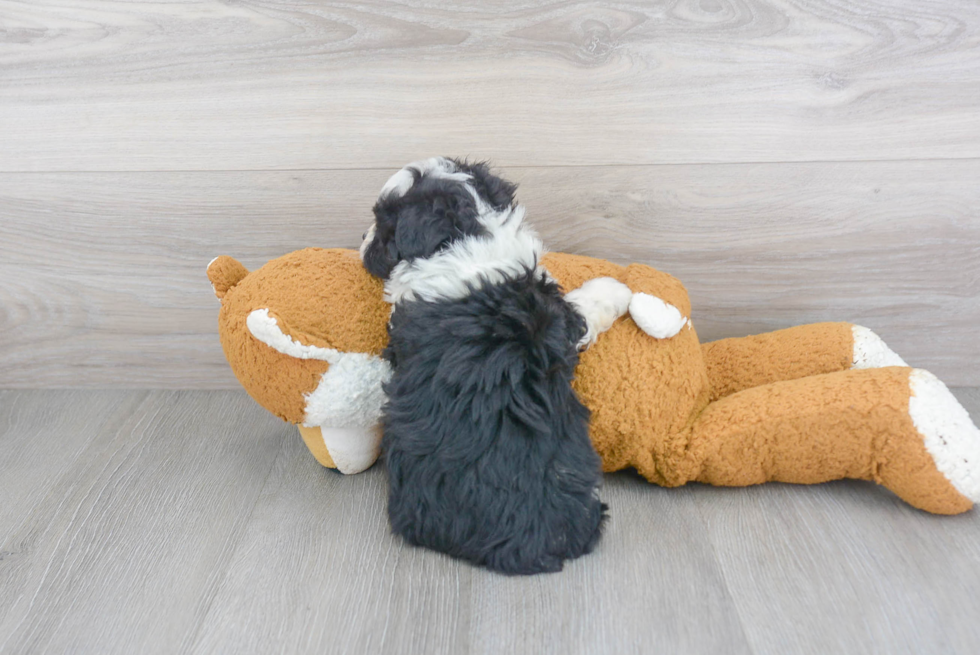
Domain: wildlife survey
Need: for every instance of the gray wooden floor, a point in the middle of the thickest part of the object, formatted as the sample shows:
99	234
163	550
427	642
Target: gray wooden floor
194	522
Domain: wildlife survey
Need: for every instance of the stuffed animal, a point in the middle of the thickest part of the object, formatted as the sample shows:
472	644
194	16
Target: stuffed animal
304	335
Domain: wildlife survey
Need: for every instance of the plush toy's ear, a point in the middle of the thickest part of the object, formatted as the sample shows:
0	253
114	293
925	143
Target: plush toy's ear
224	273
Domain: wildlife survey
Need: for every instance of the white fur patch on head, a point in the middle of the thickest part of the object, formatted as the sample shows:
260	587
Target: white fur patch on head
265	328
399	183
657	318
507	250
948	432
600	302
871	352
349	394
437	167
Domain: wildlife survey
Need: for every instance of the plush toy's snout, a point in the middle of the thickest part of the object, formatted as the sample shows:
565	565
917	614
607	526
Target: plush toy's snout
304	334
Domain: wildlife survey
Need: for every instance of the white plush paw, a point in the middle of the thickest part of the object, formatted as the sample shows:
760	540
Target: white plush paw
655	317
600	301
947	431
871	352
352	449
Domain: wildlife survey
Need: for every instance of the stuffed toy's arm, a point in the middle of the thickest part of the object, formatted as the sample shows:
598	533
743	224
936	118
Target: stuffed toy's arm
652	298
655	317
659	305
600	302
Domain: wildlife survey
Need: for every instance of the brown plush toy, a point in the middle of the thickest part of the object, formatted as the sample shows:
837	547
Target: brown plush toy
821	402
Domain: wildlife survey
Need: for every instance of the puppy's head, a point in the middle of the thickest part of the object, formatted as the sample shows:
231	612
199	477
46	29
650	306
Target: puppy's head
428	205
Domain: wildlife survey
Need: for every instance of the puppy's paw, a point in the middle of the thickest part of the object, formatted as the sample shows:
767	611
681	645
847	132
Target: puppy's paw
655	317
600	301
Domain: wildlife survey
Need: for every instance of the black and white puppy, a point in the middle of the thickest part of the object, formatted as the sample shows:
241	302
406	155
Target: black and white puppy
487	446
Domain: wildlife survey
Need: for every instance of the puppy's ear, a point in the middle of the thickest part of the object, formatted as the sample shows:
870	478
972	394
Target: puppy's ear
425	228
495	190
381	255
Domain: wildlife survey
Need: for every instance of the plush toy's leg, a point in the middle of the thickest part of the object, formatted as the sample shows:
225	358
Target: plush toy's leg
349	450
793	353
897	426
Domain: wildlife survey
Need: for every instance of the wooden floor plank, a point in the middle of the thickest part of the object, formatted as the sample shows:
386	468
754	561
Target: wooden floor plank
42	437
193	522
636	593
284	84
102	275
844	567
318	571
125	552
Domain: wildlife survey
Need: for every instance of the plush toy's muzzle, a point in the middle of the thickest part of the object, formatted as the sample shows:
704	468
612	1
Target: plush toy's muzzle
304	339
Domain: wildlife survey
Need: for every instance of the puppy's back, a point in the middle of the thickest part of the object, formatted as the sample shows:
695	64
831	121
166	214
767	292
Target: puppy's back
487	446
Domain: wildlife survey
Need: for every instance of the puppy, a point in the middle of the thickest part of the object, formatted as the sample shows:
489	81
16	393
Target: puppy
487	446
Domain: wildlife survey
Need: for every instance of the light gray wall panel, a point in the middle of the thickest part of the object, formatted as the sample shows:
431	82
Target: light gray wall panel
286	84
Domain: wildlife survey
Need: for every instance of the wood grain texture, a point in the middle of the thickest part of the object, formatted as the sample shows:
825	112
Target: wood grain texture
632	595
125	549
193	522
287	84
318	571
340	582
844	567
102	274
42	437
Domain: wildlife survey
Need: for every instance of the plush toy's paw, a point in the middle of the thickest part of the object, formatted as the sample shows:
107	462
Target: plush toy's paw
600	301
655	317
948	432
871	352
348	450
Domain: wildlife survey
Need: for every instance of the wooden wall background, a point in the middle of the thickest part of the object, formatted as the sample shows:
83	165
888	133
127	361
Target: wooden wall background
791	161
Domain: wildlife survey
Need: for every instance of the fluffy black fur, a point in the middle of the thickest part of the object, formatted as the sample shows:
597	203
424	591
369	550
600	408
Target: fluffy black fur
486	444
